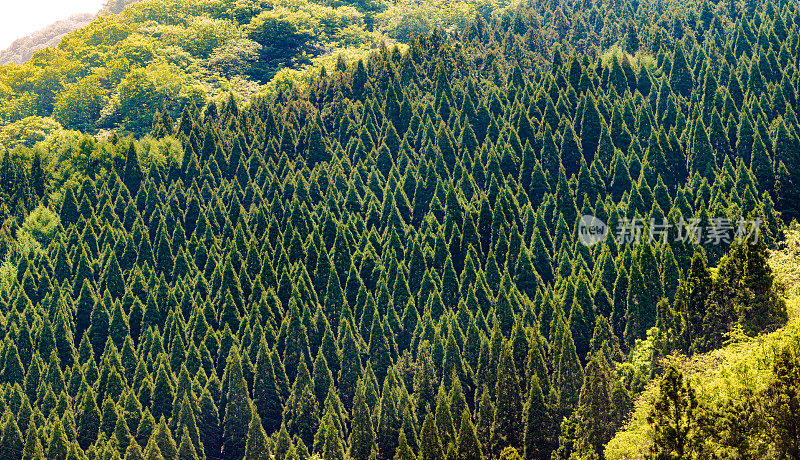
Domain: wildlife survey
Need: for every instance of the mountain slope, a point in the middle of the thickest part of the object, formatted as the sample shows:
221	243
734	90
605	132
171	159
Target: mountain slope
722	375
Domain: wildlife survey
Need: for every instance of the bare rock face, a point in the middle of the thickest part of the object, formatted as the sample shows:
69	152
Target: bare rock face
23	48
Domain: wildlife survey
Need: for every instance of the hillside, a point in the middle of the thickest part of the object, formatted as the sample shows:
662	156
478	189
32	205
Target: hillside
398	230
137	57
23	48
726	376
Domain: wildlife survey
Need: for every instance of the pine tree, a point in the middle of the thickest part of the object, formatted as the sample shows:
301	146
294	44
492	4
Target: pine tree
763	308
468	446
186	448
781	403
69	208
570	150
691	300
703	159
361	434
162	440
761	165
379	351
673	418
569	373
334	300
266	395
89	426
680	78
163	393
594	411
237	410
538	423
507	429
387	426
590	128
430	443
333	446
632	39
132	174
351	367
11	443
33	447
256	447
58	448
404	452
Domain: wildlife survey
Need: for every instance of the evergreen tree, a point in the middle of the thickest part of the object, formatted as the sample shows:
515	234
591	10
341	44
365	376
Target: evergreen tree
590	128
691	300
538	423
69	208
507	429
361	434
594	411
132	174
680	78
430	443
674	418
266	395
237	410
89	426
11	443
256	447
468	446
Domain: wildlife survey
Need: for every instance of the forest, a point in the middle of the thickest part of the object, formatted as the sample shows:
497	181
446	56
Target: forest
384	256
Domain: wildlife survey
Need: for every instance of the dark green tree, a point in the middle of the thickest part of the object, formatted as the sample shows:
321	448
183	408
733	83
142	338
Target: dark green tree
237	410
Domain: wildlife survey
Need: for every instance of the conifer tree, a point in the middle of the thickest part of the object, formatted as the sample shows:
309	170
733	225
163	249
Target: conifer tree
404	452
468	446
237	410
333	448
132	174
538	423
673	418
11	443
379	352
691	300
430	443
256	447
590	128
569	373
58	447
680	78
266	395
507	429
594	411
89	426
351	367
763	307
69	208
386	434
362	435
703	159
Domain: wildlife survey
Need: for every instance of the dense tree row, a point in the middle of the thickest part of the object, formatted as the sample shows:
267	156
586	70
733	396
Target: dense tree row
387	264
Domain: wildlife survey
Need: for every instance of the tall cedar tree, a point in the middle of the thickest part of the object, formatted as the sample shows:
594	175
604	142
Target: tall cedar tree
673	418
